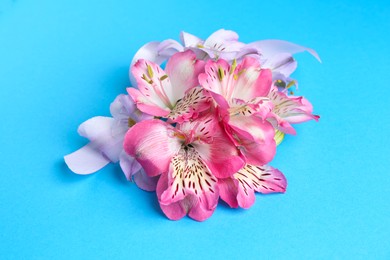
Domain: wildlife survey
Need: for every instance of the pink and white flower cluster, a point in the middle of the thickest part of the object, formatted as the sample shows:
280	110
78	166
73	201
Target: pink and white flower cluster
203	128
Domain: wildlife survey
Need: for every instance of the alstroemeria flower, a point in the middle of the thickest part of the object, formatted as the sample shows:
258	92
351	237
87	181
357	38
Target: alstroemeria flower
239	190
240	92
190	157
173	93
289	110
106	136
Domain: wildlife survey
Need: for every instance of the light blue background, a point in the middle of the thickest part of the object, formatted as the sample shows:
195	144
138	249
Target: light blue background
62	62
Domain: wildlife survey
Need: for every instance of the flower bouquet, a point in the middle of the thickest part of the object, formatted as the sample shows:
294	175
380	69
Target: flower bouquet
201	122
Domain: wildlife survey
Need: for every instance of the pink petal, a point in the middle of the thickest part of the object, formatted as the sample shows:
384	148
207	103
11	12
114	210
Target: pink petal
190	106
251	81
154	84
183	70
254	137
147	105
199	213
270	48
188	175
228	191
147	52
191	183
153	144
240	189
217	78
281	124
264	179
272	180
247	82
173	211
177	210
220	154
86	160
251	127
289	109
155	52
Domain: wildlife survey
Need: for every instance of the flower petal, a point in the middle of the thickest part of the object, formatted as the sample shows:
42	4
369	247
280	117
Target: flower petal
189	175
269	48
282	63
145	182
154	84
101	131
129	165
96	127
194	102
247	81
146	105
147	52
217	78
183	69
173	211
190	40
289	110
252	81
264	179
122	107
221	36
153	144
214	146
228	191
200	213
191	182
224	41
254	137
86	160
168	48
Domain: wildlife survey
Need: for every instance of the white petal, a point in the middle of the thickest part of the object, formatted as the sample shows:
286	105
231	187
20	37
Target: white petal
129	165
190	40
105	134
269	48
169	47
96	127
86	160
122	107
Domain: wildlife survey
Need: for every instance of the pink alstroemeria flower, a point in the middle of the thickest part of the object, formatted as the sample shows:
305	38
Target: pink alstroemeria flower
106	136
190	157
239	190
276	55
289	110
240	92
173	93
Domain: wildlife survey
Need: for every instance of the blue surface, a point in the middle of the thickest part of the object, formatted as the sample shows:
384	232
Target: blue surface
62	62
